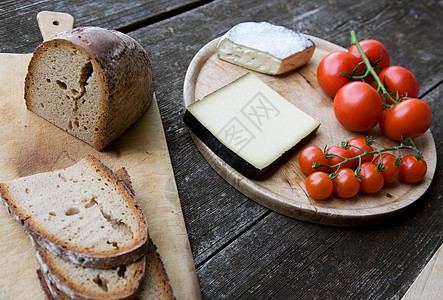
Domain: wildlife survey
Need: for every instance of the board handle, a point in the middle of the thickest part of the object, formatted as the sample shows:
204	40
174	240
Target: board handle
51	23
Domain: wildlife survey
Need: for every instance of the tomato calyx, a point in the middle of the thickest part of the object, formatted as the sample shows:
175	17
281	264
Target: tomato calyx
355	75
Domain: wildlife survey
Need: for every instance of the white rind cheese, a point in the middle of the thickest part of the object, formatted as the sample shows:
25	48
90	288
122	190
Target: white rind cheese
250	119
265	48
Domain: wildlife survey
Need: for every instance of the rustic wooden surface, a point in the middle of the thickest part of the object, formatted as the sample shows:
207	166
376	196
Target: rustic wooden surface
241	249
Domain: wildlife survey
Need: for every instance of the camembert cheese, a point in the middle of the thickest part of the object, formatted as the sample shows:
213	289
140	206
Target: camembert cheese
249	125
265	48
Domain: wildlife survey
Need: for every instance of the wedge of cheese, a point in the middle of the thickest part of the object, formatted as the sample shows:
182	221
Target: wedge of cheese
265	48
249	125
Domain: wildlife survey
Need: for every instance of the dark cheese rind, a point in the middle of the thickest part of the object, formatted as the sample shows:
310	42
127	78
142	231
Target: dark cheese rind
227	155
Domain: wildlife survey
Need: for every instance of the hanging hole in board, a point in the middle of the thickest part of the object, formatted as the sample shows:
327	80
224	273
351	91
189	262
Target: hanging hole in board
55	23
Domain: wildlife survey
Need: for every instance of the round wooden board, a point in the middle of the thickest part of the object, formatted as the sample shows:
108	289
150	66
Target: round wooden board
283	189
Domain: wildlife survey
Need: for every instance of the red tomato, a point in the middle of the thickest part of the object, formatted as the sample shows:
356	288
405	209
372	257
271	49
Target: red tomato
410	118
329	68
358	106
309	156
401	80
335	159
411	169
360	144
319	185
346	184
375	51
371	180
390	173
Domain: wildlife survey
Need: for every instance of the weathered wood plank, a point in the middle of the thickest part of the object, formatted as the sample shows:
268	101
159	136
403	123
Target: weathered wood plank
19	32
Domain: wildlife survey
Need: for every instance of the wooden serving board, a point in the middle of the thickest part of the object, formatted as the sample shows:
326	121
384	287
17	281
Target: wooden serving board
283	189
29	144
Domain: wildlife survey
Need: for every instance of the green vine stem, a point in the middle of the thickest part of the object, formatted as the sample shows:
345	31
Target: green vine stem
407	143
370	69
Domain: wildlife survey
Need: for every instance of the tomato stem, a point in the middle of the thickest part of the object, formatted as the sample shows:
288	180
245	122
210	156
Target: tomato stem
371	70
403	145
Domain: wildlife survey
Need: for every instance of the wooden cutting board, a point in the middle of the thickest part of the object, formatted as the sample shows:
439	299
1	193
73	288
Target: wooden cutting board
283	189
29	144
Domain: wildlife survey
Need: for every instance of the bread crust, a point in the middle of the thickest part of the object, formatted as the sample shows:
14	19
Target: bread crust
77	255
125	72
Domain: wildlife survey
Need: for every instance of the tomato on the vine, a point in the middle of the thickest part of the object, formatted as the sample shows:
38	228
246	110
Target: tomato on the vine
371	179
356	145
389	164
346	184
337	155
358	106
375	51
412	170
319	185
409	118
329	69
309	156
399	80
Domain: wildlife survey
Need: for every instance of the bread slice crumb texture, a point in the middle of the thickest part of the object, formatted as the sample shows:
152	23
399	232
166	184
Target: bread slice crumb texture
83	208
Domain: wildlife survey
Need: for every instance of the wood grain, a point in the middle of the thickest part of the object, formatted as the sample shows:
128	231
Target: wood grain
283	190
31	145
428	283
51	23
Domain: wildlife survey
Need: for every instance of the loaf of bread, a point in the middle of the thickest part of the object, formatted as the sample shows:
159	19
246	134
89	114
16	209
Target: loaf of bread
91	82
84	214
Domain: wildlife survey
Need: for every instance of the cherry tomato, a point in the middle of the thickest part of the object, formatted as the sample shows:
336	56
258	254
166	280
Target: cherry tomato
401	80
329	68
334	159
411	169
358	106
319	185
375	51
360	143
309	156
371	180
391	170
410	118
346	184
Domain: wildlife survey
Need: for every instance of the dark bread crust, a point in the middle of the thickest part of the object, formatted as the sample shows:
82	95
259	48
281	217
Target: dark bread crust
76	255
154	262
125	72
49	290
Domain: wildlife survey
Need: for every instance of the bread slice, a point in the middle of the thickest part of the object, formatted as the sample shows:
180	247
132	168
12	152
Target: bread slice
61	278
155	283
83	214
77	282
91	82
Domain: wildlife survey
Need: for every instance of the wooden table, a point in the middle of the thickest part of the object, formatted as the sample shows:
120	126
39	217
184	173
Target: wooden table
241	249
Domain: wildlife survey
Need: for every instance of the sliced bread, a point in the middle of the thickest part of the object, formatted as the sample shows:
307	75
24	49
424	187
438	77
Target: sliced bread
59	278
84	214
155	283
65	278
91	82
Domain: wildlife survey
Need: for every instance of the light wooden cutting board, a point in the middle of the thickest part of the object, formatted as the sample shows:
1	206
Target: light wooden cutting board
29	144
